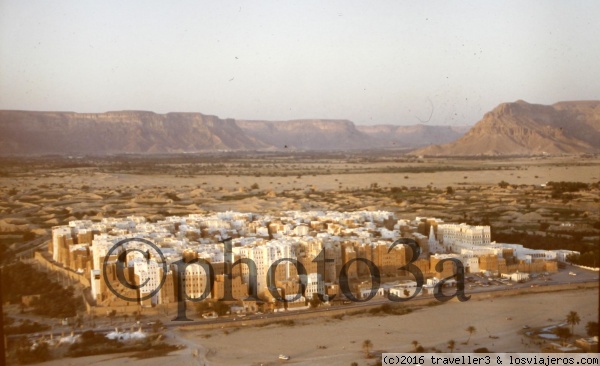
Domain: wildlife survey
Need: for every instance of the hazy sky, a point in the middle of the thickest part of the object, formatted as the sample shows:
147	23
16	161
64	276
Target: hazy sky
445	62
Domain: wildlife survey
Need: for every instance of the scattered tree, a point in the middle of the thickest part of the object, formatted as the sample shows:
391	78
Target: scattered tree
471	329
367	344
26	353
79	320
157	326
220	307
415	344
202	307
592	329
573	319
562	333
111	315
315	302
55	301
451	345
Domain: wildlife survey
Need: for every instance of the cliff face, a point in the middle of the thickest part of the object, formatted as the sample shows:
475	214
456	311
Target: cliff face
310	134
523	128
23	133
118	132
413	136
510	129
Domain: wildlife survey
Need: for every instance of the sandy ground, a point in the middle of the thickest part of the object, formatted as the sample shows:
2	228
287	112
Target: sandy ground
200	191
48	198
341	340
531	172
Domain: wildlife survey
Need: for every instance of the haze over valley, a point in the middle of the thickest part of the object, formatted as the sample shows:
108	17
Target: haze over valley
517	128
297	182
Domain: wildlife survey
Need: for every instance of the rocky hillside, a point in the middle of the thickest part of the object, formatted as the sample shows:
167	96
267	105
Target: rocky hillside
118	132
521	128
312	134
517	128
24	133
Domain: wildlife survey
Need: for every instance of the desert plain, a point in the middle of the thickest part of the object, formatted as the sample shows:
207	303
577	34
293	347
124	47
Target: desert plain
511	195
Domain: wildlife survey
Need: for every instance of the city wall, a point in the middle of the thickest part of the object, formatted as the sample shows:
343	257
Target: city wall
39	258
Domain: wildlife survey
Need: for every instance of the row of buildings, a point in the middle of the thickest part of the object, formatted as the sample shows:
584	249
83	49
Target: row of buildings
311	250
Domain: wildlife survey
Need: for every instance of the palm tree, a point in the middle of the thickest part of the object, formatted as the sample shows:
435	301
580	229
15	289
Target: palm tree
451	345
562	333
79	320
367	344
573	319
157	326
592	329
471	329
111	315
415	344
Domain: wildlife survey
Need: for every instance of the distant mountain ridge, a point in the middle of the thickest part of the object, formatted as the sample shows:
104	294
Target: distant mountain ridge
521	128
37	133
517	128
308	134
414	135
117	132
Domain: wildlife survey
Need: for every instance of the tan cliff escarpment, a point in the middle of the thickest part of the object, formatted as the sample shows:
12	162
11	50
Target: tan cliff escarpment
517	128
308	134
521	128
118	132
33	133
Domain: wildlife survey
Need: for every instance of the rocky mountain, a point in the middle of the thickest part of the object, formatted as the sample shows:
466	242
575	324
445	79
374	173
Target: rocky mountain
521	128
310	134
517	128
25	133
